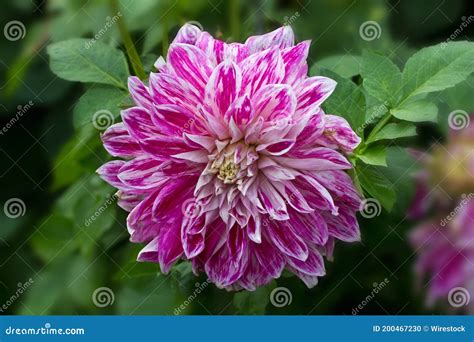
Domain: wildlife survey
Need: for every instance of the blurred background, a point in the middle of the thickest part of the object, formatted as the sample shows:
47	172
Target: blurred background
54	260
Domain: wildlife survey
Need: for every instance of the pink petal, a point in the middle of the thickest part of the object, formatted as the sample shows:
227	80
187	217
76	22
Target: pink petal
286	240
316	159
338	134
109	173
294	59
271	201
312	92
190	64
223	87
139	92
138	122
141	173
260	69
280	38
313	266
174	120
118	142
274	102
343	226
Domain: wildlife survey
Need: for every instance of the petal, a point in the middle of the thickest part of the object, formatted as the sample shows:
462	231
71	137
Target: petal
223	87
316	159
341	186
280	38
295	199
139	92
193	244
286	240
312	92
310	226
150	252
254	228
276	148
138	122
228	264
343	226
269	258
313	266
272	203
118	142
338	134
170	89
169	247
320	198
187	34
294	59
174	120
240	111
109	172
142	173
164	147
260	69
190	64
274	102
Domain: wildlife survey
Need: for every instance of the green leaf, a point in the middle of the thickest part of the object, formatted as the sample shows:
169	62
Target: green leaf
416	111
255	302
438	67
75	60
347	101
376	155
382	78
378	186
105	99
344	65
394	131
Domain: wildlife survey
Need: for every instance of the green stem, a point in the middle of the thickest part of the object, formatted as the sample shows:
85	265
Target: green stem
164	38
379	126
234	19
128	42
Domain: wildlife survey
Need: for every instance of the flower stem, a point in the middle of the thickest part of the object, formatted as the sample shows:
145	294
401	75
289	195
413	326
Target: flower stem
128	42
234	19
379	126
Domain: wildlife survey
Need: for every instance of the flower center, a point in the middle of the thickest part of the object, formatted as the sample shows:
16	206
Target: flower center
227	170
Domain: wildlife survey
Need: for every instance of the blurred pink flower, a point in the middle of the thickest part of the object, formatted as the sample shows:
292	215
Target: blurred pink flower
229	161
444	241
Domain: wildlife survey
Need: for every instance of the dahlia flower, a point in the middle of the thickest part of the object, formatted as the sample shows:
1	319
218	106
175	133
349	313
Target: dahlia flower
444	240
228	161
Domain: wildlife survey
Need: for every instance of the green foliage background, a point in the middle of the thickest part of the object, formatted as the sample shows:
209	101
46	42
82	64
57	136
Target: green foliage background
50	155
